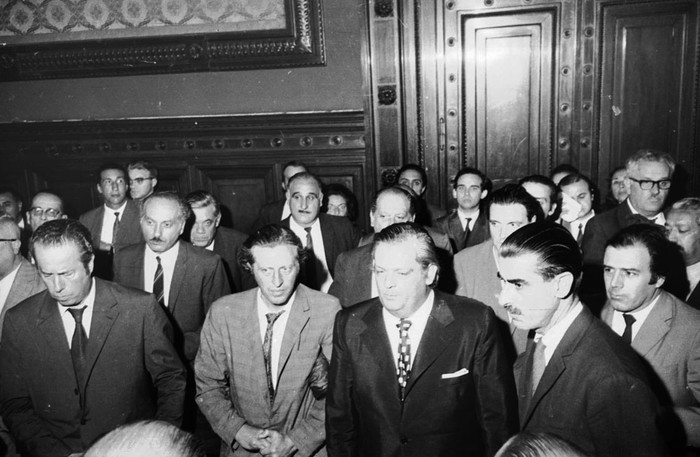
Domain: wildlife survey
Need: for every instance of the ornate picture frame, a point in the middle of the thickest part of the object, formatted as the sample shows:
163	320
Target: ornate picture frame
47	39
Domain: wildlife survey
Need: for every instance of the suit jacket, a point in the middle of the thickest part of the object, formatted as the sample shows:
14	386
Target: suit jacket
669	339
270	213
694	298
133	371
452	227
477	278
230	370
129	225
339	235
593	392
227	244
26	283
459	399
352	282
198	280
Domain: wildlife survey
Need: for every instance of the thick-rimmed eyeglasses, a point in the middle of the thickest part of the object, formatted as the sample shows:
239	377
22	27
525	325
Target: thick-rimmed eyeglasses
49	213
647	184
139	181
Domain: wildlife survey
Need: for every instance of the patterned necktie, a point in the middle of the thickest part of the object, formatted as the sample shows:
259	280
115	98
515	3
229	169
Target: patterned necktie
403	369
78	346
629	321
310	276
267	351
538	366
115	228
158	283
579	237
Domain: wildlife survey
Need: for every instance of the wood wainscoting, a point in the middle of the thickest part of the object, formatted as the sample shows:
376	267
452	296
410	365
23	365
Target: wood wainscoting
237	158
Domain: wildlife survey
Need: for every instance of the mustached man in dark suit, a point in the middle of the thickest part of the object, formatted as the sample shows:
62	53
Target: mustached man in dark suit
206	232
114	224
84	356
417	372
577	379
468	224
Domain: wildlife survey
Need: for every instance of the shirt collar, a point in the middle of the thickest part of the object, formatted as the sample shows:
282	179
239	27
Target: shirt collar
419	317
88	302
659	218
298	228
119	210
169	256
640	315
263	308
554	335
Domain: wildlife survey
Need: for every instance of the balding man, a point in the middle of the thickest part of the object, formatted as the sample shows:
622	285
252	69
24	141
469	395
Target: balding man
683	228
45	207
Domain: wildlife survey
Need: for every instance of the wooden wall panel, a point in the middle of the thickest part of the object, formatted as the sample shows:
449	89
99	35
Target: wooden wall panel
239	159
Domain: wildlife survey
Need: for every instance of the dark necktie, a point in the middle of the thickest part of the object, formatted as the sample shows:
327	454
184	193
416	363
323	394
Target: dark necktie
403	368
158	284
310	276
115	228
467	231
579	237
629	321
78	346
538	366
267	352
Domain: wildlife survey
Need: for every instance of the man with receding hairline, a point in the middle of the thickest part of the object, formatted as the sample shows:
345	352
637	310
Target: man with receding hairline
683	229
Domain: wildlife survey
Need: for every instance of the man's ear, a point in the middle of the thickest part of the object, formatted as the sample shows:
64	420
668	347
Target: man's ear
484	194
553	209
412	218
564	284
660	280
432	274
218	220
155	182
99	189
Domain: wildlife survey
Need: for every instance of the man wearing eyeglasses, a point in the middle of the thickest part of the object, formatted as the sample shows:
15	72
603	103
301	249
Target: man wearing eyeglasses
114	224
649	174
45	207
143	179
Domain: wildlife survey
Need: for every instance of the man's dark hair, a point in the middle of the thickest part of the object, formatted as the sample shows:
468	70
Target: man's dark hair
514	194
59	232
270	236
486	183
401	191
414	167
294	163
345	193
410	231
563	168
202	199
540	444
183	207
110	166
13	193
557	250
143	165
653	238
545	181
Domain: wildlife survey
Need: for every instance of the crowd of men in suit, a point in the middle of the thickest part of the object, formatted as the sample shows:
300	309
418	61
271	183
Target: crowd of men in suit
522	309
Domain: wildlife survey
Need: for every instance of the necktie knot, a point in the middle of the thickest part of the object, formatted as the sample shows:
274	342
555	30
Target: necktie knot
272	317
158	259
116	215
629	321
77	314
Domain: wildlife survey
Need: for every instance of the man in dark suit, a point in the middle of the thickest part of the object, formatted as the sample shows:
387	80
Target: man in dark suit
648	179
661	328
467	226
206	232
274	212
577	379
415	178
325	236
417	372
84	356
353	281
185	280
114	224
282	415
683	228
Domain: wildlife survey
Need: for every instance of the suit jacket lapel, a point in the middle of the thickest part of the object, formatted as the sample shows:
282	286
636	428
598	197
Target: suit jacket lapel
104	313
50	327
455	228
655	326
178	275
379	351
297	321
437	335
21	286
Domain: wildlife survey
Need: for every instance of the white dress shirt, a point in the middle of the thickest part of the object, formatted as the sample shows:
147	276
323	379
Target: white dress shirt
573	226
618	321
419	320
554	335
6	285
463	218
278	329
319	249
107	234
167	262
659	219
69	320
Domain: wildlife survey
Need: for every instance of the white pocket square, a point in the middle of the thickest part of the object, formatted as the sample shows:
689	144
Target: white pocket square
456	374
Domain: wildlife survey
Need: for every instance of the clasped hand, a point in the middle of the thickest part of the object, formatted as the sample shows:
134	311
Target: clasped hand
268	442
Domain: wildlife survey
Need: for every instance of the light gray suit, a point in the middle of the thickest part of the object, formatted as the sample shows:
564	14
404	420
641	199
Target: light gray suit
26	283
477	278
230	370
669	340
